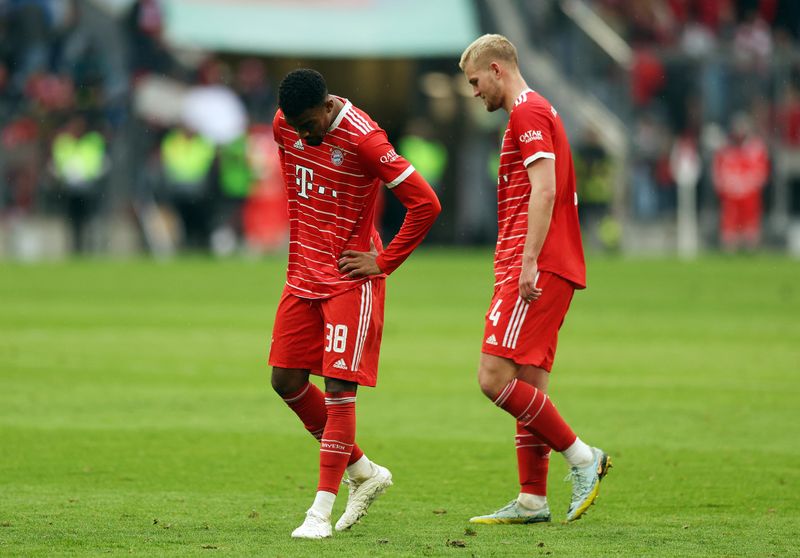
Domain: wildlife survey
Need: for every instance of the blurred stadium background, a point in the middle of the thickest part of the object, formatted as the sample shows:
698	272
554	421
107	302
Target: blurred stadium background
131	127
135	411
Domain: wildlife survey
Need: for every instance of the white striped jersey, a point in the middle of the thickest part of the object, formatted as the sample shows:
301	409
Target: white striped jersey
332	192
535	131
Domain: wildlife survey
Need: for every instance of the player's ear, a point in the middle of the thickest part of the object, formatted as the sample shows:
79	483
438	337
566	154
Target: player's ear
495	68
329	104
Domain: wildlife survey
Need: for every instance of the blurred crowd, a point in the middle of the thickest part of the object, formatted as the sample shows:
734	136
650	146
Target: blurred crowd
710	83
99	116
97	113
719	77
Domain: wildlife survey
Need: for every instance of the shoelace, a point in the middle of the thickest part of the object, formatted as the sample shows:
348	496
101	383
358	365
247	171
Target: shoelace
351	483
577	486
507	506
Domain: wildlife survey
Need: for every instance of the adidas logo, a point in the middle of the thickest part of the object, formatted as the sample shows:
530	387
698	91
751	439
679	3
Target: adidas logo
298	145
491	340
342	365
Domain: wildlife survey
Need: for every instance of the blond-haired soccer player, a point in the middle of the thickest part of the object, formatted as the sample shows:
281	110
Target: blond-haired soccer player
538	264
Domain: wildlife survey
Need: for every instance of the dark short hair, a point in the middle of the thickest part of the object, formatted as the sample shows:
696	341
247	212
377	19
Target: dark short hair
301	90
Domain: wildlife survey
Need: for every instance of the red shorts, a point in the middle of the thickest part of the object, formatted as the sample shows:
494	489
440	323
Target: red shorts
527	333
741	215
338	337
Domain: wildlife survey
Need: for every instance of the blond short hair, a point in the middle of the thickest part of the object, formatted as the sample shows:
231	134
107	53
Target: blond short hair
487	48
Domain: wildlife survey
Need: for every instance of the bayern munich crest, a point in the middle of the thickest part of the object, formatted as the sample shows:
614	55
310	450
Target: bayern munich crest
337	156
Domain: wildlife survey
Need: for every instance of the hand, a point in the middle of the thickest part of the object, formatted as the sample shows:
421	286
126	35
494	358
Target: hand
528	290
359	264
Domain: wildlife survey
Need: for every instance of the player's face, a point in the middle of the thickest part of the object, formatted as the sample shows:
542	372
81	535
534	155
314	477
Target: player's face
485	85
312	124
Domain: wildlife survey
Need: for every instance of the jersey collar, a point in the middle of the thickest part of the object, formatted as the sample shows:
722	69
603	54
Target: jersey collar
347	106
522	97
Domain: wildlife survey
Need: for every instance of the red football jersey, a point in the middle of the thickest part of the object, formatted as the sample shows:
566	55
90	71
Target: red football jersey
741	170
535	131
332	191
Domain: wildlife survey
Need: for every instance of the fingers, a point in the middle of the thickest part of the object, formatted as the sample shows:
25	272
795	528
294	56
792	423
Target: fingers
357	264
347	259
351	267
348	265
529	293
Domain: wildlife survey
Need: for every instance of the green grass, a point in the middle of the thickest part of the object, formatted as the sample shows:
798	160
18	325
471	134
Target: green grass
136	416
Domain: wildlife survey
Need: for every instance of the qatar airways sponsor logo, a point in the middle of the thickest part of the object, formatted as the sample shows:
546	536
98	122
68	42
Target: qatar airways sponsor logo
530	135
390	157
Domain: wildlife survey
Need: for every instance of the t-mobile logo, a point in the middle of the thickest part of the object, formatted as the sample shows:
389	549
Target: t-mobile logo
303	178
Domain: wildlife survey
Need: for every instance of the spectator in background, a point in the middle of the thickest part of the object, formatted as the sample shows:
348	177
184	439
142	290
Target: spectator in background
80	164
236	178
428	155
254	89
21	164
650	147
186	161
29	28
143	25
265	221
741	170
594	171
421	149
788	116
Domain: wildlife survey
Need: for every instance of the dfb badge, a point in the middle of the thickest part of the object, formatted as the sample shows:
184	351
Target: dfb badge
337	156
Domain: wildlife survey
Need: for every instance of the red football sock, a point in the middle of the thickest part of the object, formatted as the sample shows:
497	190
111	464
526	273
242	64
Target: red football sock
533	459
308	403
536	414
337	441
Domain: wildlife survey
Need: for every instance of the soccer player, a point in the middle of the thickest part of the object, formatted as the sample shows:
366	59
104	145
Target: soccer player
538	264
330	316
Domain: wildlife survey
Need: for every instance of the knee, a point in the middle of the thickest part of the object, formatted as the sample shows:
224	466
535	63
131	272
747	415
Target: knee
489	384
334	385
285	382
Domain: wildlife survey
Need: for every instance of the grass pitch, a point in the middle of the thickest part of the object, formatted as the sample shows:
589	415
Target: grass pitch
136	416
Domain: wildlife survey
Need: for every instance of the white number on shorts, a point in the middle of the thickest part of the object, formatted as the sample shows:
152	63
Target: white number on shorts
494	315
335	338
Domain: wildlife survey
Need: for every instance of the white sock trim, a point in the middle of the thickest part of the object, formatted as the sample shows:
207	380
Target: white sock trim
531	501
323	504
360	470
578	454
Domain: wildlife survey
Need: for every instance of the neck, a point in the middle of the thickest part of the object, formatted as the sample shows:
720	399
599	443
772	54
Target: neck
515	87
337	108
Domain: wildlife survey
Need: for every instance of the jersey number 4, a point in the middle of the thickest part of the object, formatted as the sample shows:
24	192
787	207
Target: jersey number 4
494	315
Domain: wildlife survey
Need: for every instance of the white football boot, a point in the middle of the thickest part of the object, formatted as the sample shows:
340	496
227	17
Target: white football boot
362	494
314	527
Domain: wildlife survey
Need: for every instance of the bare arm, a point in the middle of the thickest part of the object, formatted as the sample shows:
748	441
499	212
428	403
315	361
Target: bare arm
542	175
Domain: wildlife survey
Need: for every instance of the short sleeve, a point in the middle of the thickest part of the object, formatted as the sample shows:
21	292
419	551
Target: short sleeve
532	127
379	159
